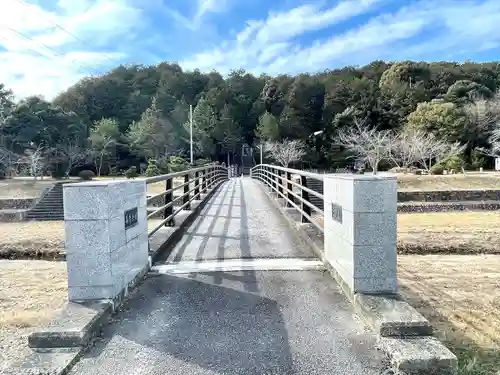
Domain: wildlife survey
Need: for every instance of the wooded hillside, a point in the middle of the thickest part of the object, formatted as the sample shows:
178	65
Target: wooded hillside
135	113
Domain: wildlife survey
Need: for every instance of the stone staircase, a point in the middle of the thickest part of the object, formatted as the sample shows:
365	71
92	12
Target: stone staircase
50	206
247	163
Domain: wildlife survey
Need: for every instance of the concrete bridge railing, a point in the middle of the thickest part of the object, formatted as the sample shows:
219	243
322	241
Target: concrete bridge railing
358	222
110	224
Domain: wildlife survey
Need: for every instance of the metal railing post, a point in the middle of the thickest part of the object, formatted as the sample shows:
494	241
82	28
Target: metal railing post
210	177
204	181
168	199
279	180
186	196
289	187
197	185
275	179
305	197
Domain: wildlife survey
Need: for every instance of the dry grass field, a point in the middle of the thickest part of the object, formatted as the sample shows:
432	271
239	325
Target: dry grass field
457	232
460	295
470	181
30	294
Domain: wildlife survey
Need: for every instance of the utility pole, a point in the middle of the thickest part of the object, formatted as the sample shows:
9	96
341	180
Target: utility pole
191	132
261	152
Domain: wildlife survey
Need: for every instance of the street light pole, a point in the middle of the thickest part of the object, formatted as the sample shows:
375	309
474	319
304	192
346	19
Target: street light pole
261	152
191	132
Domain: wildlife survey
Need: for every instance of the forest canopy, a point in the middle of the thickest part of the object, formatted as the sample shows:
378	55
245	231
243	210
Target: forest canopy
136	113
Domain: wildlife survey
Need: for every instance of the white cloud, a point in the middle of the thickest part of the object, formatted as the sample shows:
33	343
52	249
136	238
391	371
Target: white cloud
203	8
271	45
209	6
276	33
40	58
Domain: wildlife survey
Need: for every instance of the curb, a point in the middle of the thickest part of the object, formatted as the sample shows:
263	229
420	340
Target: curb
404	334
74	326
59	345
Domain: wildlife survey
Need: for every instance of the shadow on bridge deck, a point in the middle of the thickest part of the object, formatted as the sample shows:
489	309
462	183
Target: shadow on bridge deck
238	223
245	322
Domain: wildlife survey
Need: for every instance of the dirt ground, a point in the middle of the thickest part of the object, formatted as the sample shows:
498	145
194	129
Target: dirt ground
460	295
30	294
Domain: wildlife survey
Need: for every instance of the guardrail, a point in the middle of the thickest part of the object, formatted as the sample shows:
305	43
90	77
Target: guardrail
280	180
196	181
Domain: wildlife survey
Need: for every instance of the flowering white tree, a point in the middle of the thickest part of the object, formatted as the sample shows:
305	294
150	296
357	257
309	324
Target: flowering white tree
286	152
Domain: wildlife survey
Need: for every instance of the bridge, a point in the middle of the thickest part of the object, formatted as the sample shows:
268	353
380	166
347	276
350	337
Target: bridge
260	274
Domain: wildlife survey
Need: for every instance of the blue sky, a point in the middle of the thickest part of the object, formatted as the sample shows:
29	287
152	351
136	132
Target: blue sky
47	45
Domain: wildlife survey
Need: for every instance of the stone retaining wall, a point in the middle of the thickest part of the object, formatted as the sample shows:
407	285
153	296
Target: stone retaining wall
449	196
415	207
16	203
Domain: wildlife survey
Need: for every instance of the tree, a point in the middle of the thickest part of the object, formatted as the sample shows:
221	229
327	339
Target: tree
429	148
445	120
403	148
153	135
493	142
104	137
369	145
203	125
7	161
268	128
36	160
482	115
74	156
286	152
464	91
227	132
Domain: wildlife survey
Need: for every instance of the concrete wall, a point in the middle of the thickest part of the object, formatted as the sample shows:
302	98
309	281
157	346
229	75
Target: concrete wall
361	231
103	256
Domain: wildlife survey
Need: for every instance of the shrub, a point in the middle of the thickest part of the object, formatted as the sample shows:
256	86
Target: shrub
152	169
177	164
201	162
455	162
437	169
477	160
131	172
86	175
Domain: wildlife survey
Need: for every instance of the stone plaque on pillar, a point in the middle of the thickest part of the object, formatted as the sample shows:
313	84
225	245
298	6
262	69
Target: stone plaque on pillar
106	236
361	230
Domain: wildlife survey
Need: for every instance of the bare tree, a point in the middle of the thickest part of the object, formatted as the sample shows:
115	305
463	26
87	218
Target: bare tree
369	145
403	148
8	159
429	149
482	115
98	154
286	152
74	155
36	161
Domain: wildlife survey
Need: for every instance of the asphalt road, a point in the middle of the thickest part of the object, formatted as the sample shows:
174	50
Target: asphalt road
259	322
250	322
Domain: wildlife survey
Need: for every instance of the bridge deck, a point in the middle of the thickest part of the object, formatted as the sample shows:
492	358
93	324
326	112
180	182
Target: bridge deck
247	322
239	223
